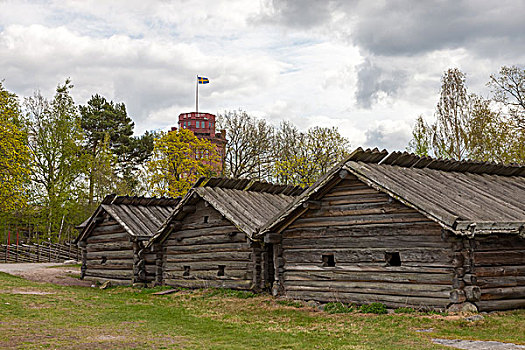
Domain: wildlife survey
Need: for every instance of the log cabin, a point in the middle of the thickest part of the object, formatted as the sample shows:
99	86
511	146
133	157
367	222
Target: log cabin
208	239
112	240
405	231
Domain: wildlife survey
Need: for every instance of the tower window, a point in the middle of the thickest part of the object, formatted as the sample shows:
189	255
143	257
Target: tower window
392	259
186	271
328	260
220	272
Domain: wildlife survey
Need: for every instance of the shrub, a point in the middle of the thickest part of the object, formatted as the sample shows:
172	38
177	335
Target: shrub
337	308
373	308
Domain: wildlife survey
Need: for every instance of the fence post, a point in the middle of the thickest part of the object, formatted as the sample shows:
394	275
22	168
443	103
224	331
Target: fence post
38	253
49	246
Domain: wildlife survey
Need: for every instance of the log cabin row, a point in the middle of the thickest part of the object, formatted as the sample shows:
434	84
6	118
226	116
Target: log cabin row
112	240
208	240
404	231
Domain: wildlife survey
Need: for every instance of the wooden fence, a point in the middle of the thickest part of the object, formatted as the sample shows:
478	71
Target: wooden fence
44	252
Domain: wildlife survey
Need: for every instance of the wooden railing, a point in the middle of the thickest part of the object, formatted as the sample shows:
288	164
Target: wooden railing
44	252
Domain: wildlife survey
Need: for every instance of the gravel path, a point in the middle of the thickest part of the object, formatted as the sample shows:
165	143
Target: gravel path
41	272
477	344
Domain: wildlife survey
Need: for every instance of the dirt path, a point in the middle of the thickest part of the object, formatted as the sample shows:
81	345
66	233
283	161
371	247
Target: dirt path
46	272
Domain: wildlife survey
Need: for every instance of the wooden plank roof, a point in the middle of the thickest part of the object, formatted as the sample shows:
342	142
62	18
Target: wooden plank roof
247	204
139	216
466	197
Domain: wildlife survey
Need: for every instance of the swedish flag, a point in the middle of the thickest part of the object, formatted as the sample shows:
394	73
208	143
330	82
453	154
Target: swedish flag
203	80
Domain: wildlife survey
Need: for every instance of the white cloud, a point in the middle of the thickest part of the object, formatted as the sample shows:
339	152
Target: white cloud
353	65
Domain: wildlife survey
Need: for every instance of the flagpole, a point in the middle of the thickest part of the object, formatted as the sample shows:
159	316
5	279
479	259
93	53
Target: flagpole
197	96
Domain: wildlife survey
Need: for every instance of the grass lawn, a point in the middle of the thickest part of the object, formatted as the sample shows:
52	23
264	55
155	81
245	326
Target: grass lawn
35	315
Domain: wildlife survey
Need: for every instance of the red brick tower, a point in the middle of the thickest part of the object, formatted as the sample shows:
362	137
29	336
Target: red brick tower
203	126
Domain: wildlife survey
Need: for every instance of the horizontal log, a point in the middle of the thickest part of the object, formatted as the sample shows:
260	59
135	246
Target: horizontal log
371	268
366	255
378	241
208	231
444	279
114	282
416	229
105	229
359	220
498	243
112	265
354	210
494	305
499	282
496	271
215	256
203	248
503	257
97	247
503	293
209	274
116	274
212	265
111	237
400	289
358	298
355	198
207	239
189	224
118	254
241	284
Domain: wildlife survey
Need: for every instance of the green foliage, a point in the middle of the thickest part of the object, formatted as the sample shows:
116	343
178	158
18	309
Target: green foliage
55	138
291	303
122	317
468	126
14	154
179	159
338	308
405	310
113	154
257	150
373	308
303	157
231	293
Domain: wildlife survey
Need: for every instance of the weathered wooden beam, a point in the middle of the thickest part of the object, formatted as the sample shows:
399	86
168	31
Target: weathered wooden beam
272	237
189	208
312	204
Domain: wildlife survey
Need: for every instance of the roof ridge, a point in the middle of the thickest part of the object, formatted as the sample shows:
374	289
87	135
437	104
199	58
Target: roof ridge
411	160
249	185
113	199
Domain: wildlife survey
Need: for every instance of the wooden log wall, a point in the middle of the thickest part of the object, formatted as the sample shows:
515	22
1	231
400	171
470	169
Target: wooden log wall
364	229
207	251
499	262
108	254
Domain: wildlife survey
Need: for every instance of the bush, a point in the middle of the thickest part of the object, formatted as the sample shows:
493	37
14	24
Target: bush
373	308
337	308
291	303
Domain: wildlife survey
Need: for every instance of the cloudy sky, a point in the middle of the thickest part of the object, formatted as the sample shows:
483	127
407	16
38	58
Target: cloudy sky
367	67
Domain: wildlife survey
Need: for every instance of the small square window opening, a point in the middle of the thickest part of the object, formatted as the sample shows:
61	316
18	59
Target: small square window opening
328	260
220	272
186	271
206	219
392	259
